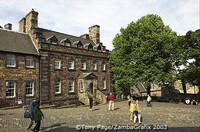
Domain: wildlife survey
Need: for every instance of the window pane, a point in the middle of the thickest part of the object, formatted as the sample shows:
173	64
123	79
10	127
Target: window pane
10	61
57	64
10	88
58	86
29	62
71	86
71	64
95	66
29	88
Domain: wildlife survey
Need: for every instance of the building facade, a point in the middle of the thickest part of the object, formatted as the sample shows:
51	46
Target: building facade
66	68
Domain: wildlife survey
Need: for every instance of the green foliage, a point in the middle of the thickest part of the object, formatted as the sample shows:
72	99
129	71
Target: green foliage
143	53
188	48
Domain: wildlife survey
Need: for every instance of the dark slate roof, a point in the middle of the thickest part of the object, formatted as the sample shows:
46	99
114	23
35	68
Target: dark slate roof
141	88
60	36
11	41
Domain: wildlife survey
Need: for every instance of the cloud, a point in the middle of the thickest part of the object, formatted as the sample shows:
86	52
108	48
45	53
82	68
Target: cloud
75	16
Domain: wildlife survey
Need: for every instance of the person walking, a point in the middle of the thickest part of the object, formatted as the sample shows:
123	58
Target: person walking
149	101
111	104
37	116
90	97
30	111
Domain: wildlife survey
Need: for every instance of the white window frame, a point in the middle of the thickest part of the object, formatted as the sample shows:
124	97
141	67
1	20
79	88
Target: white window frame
72	86
104	84
58	85
83	66
81	86
57	64
10	61
31	87
14	89
95	66
29	60
104	67
71	65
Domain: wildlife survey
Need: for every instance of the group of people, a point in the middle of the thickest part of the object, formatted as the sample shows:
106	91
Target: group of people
134	109
192	102
35	114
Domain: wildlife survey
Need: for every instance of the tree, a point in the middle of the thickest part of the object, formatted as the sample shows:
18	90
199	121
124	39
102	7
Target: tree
142	53
188	56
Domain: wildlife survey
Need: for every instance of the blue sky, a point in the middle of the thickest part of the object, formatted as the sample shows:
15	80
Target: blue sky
75	16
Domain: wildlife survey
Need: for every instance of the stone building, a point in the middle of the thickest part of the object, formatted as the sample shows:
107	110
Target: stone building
19	68
68	68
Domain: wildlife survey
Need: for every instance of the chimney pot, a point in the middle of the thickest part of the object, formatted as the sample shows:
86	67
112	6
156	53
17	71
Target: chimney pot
8	26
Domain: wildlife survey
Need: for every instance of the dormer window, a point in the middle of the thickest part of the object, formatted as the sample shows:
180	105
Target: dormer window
53	39
65	42
78	44
99	48
89	46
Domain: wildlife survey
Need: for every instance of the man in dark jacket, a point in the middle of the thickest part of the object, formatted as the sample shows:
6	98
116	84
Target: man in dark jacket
37	116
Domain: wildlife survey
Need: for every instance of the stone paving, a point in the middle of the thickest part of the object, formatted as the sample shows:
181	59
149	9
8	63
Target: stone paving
66	119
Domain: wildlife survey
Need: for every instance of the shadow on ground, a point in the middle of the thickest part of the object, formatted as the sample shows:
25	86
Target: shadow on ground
60	129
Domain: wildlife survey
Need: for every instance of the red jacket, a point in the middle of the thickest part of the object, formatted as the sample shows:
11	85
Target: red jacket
111	97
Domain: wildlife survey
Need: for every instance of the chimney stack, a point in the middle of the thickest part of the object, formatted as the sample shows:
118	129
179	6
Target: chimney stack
94	33
28	22
8	26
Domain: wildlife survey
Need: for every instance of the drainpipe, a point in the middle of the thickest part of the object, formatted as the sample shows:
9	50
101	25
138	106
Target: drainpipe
40	79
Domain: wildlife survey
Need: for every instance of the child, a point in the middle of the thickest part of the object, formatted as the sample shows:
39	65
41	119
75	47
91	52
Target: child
137	113
132	108
129	100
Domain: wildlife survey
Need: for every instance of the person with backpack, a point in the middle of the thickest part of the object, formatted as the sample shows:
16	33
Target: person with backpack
37	116
30	111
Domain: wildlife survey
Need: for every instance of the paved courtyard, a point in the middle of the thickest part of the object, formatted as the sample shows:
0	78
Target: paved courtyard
66	119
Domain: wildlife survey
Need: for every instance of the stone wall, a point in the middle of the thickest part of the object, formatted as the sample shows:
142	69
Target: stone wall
20	74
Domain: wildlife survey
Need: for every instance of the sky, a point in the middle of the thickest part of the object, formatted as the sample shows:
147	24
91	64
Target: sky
75	16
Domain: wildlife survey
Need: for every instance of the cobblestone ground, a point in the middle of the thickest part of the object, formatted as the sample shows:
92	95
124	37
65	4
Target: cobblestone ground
172	115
